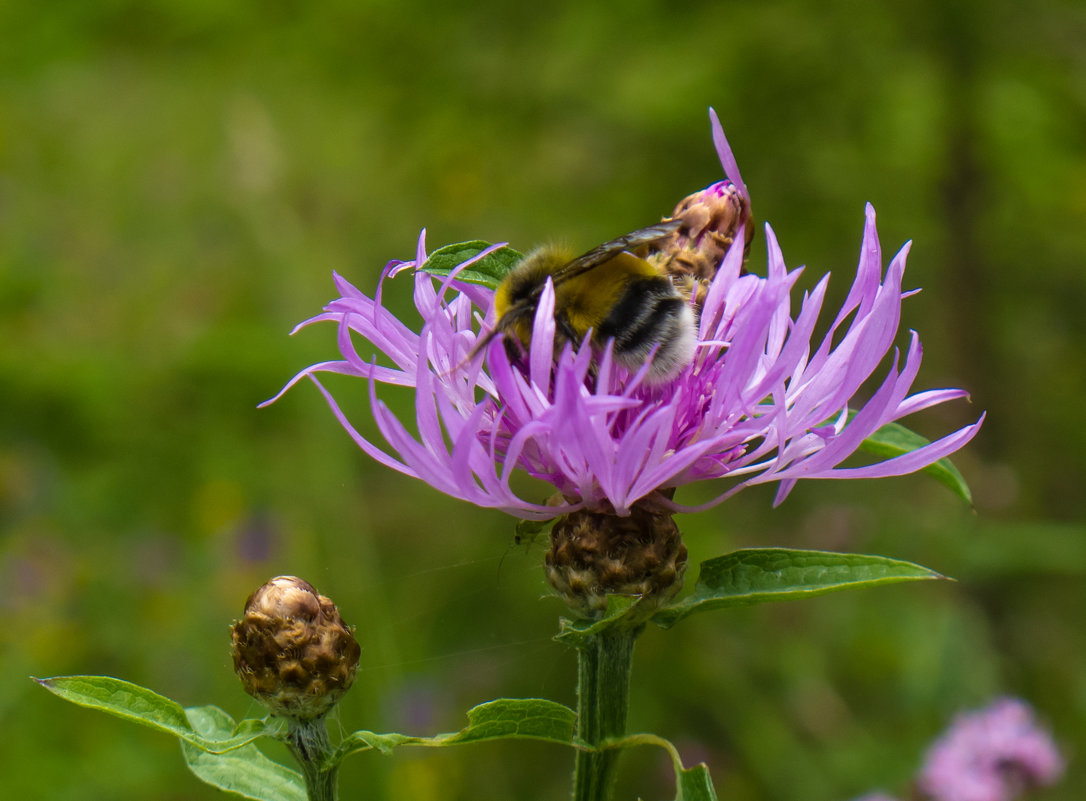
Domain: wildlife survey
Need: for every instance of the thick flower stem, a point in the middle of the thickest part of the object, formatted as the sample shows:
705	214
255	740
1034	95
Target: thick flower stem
308	742
603	697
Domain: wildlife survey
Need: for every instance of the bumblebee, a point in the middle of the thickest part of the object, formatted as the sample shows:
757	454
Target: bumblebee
608	291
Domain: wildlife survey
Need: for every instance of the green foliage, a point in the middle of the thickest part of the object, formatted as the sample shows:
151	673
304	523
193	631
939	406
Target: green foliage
216	750
501	719
691	784
244	771
695	784
487	271
532	718
146	707
753	576
623	612
759	575
219	754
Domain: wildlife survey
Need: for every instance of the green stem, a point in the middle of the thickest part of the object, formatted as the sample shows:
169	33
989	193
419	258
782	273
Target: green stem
308	742
603	699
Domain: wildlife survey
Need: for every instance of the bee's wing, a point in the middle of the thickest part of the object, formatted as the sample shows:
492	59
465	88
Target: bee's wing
608	250
582	264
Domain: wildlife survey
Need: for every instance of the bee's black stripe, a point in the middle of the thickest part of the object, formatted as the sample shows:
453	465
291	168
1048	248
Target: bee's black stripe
639	319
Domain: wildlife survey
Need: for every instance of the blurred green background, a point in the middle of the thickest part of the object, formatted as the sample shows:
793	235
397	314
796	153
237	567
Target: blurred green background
178	180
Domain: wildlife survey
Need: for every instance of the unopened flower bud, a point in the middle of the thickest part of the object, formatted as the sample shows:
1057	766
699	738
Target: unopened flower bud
292	650
593	555
710	222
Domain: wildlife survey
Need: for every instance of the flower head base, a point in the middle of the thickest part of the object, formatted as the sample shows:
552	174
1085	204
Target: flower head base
993	754
292	651
593	555
759	402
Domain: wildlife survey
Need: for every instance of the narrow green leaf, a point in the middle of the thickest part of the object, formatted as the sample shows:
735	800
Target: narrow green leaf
244	771
123	699
367	741
622	610
500	719
146	707
488	271
691	784
758	575
694	784
894	439
516	718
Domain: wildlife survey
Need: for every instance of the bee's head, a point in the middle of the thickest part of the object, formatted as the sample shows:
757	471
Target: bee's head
515	320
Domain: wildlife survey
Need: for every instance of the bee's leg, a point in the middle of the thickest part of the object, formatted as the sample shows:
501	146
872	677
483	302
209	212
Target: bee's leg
515	349
565	331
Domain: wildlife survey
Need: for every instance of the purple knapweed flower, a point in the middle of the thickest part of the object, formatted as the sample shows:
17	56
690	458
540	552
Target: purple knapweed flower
993	754
759	402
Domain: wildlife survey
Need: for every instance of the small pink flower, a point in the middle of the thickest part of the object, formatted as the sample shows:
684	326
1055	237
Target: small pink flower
993	754
761	401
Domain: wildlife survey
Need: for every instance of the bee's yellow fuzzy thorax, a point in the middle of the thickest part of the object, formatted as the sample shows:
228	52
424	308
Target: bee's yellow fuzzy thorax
584	299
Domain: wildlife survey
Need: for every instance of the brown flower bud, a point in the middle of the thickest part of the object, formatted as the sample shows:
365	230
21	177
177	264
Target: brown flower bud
710	222
593	555
292	651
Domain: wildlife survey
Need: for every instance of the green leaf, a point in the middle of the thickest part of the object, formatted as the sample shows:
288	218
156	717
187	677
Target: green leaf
516	718
758	575
894	439
368	741
488	271
244	771
216	750
146	707
691	784
123	699
622	610
500	719
694	784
